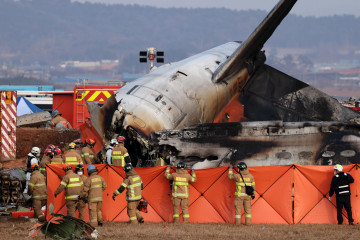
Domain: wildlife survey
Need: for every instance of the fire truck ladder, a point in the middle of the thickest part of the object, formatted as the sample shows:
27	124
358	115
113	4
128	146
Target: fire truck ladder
80	107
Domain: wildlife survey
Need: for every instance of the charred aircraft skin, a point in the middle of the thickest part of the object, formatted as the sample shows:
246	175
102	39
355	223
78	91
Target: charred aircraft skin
199	89
262	143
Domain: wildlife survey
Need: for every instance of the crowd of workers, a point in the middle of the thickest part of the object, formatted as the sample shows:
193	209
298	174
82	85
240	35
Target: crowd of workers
80	189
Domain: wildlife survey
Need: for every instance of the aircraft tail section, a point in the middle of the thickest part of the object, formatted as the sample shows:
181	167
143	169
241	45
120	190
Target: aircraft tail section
248	49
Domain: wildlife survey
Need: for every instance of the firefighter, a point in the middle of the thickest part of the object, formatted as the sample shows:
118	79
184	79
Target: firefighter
58	121
180	190
87	153
133	185
163	160
33	157
120	155
37	188
71	156
340	185
93	188
241	197
48	155
57	159
72	184
79	170
109	150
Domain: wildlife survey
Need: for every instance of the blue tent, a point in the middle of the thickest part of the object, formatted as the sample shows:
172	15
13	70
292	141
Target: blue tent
24	106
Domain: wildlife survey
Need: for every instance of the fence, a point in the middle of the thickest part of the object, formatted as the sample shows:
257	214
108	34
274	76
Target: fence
284	194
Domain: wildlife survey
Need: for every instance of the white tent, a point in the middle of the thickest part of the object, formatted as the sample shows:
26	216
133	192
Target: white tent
24	106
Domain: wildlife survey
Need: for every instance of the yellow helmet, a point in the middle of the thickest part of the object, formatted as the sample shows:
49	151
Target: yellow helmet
72	145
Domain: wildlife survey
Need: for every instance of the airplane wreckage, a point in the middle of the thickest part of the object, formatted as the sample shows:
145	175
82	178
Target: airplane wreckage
226	105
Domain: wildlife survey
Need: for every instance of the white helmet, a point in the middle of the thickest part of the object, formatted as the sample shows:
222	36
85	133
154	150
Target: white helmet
113	141
338	167
35	151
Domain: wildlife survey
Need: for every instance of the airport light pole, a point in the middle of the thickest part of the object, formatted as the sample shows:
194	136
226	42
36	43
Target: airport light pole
152	54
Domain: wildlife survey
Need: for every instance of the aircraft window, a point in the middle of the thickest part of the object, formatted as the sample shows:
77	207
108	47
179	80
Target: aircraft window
328	154
305	155
283	155
132	89
348	153
158	98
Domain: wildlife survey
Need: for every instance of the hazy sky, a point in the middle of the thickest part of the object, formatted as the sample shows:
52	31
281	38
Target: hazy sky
302	7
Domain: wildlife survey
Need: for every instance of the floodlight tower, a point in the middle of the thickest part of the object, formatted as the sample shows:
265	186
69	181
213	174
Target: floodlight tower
151	54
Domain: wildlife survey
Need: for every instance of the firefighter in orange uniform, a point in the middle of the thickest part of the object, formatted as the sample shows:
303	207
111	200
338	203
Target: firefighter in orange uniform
37	188
163	160
57	159
241	197
71	156
93	191
120	155
87	153
134	186
58	121
79	170
72	184
180	190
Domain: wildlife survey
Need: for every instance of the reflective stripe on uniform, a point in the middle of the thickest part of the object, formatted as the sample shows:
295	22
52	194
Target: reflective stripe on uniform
343	186
186	216
95	199
93	220
37	185
96	186
72	197
343	192
117	192
70	159
237	216
176	215
133	218
75	184
241	194
248	215
39	196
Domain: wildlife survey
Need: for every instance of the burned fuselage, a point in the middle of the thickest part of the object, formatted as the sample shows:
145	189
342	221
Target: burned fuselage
262	143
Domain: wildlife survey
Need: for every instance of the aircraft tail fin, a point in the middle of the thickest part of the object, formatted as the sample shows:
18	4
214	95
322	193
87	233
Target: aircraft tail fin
248	49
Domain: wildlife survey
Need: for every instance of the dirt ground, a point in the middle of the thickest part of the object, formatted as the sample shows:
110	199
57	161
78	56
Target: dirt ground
18	229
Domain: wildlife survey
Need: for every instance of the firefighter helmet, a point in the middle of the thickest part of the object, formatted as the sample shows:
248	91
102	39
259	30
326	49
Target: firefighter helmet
128	167
35	151
338	167
51	147
113	142
121	139
90	141
242	166
180	165
55	113
91	169
72	145
79	167
34	166
57	151
67	167
48	152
